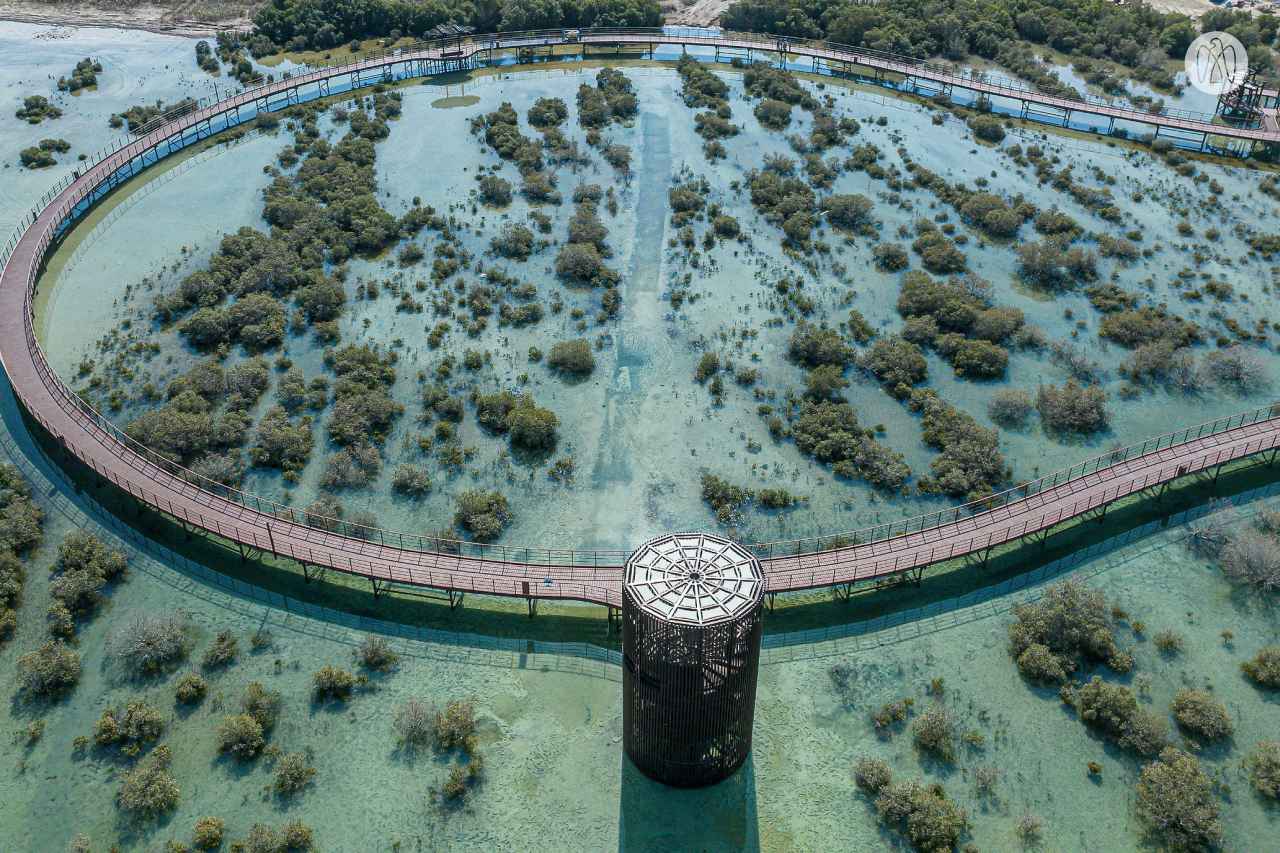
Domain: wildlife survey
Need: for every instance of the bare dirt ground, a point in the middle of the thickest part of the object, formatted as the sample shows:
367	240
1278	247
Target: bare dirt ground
1190	8
180	17
698	13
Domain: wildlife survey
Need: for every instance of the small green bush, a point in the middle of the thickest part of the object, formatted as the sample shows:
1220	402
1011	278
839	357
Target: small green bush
293	837
815	345
897	363
222	653
240	735
455	727
410	480
261	704
1264	669
1177	803
136	724
573	358
150	643
1039	664
530	426
191	688
775	115
886	718
483	514
330	682
934	732
514	241
1010	407
1200	714
988	128
1169	642
1264	768
375	653
208	833
924	815
83	569
495	191
1113	709
872	775
1069	622
1073	408
980	359
852	212
148	790
50	671
583	263
292	773
890	257
726	498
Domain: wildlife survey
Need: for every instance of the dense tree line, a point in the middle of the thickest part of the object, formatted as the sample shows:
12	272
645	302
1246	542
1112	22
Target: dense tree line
321	24
1132	34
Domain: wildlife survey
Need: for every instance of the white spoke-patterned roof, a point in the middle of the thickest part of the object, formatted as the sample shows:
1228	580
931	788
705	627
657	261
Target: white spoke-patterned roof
695	578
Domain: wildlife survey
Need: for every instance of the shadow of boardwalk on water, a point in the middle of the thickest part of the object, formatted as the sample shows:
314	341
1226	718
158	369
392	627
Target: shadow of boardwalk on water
891	617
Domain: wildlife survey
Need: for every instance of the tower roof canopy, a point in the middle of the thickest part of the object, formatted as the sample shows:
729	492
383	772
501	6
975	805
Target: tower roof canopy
694	578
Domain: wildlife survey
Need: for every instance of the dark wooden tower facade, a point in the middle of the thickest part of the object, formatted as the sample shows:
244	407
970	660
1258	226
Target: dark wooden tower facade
691	627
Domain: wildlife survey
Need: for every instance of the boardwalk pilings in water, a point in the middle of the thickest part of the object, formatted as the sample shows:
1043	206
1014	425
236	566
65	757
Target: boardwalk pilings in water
691	626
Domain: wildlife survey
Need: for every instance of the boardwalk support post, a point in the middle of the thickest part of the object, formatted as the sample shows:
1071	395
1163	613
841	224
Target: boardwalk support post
1099	513
979	557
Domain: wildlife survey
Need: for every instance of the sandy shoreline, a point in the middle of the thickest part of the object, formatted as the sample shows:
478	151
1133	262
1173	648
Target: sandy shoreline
154	19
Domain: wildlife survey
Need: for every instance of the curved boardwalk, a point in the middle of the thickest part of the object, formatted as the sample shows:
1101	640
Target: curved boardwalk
386	558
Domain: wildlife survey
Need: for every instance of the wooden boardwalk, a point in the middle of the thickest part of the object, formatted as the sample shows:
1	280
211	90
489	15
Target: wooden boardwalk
386	558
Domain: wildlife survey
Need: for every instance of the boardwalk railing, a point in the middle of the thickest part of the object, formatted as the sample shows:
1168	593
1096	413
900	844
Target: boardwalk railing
731	38
975	536
261	523
939	518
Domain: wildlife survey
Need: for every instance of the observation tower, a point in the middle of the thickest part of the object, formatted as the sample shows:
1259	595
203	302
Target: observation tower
1242	105
691	626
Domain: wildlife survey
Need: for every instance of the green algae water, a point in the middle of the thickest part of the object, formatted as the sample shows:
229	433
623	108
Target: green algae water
641	431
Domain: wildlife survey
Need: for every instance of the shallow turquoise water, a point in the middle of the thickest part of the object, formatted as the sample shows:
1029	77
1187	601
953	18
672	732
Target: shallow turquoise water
551	719
551	727
640	430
